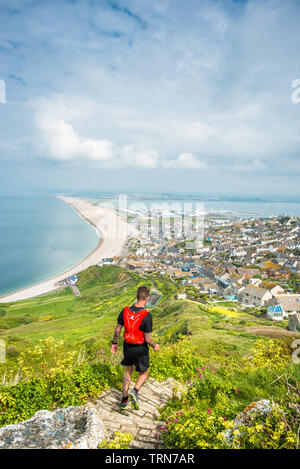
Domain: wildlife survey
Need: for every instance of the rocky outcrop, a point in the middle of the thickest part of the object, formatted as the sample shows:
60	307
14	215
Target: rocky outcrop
72	427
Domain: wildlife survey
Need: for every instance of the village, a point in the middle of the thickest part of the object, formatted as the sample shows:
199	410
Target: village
252	262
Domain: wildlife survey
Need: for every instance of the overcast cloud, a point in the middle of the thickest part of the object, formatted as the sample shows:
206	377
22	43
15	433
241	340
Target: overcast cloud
161	95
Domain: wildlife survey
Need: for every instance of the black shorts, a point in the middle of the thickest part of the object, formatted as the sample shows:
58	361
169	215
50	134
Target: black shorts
137	355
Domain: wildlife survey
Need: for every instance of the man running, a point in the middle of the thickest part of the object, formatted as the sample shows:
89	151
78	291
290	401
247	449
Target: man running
137	335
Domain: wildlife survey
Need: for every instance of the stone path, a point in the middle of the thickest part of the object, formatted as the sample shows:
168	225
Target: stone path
75	290
143	423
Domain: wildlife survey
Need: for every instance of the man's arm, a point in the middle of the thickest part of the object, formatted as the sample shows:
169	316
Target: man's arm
149	340
117	333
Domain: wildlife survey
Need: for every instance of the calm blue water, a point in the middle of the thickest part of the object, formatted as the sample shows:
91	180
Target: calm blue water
39	237
42	236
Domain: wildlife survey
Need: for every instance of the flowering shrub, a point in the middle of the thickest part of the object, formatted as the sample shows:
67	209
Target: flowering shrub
63	389
86	381
121	441
20	402
269	354
224	311
261	425
175	360
46	359
51	378
192	428
207	384
208	415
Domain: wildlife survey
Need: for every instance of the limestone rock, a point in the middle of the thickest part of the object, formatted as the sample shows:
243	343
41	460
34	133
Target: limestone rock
72	427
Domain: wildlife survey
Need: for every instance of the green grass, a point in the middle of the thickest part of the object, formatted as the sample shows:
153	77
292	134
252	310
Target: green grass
215	335
105	291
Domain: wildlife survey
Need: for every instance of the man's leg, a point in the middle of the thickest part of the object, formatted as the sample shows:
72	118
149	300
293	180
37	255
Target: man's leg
141	379
127	379
134	394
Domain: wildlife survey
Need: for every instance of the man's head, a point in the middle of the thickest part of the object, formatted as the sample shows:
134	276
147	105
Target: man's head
143	294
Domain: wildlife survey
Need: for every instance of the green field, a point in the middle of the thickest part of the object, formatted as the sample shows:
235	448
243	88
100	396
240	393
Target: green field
44	336
105	291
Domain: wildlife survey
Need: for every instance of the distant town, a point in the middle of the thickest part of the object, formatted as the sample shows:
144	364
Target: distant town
254	263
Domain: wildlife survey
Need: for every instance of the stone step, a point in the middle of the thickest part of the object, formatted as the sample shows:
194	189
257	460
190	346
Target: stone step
142	424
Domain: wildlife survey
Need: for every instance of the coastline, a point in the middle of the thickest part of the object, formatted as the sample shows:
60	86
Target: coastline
112	232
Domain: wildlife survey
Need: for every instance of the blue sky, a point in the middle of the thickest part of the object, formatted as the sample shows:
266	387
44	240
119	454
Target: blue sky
166	95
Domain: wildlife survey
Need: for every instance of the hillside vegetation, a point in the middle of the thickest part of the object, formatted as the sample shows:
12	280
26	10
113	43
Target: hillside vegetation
58	354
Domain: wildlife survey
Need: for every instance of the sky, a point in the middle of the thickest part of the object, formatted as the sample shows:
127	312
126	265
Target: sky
162	95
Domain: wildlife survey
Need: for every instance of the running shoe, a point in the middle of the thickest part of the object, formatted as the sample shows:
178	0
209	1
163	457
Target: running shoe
124	404
134	398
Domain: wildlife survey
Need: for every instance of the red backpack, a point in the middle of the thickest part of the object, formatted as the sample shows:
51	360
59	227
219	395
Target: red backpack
132	322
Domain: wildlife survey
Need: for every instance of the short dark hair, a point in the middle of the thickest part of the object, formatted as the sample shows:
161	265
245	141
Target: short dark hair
142	293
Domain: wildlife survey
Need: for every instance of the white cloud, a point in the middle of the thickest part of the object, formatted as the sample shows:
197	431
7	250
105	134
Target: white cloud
61	142
99	150
254	166
185	161
201	131
140	158
57	140
212	79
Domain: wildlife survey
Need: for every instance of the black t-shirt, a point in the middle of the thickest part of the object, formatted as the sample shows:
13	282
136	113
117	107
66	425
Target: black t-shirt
146	324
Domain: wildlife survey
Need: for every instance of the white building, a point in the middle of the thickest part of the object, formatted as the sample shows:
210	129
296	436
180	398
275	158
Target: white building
254	296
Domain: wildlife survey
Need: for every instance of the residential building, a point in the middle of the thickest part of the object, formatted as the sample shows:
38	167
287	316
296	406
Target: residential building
254	296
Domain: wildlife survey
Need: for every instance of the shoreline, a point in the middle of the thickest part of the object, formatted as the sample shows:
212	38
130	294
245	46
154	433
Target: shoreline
112	233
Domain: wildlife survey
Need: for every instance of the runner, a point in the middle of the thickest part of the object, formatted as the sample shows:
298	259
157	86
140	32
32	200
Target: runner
137	336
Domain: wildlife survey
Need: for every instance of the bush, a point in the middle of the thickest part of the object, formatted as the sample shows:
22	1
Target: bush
20	402
121	441
269	354
72	389
46	359
175	360
12	351
209	413
262	425
193	428
51	379
4	324
62	389
207	385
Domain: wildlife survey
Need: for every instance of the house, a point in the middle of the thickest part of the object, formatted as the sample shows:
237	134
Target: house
178	273
207	283
181	296
276	313
106	261
290	303
72	280
255	281
197	281
277	290
254	296
294	322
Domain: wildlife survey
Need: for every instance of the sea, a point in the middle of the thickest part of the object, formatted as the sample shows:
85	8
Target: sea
42	236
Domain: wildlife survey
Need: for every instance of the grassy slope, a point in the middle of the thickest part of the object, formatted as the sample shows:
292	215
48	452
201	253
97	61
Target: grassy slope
105	291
